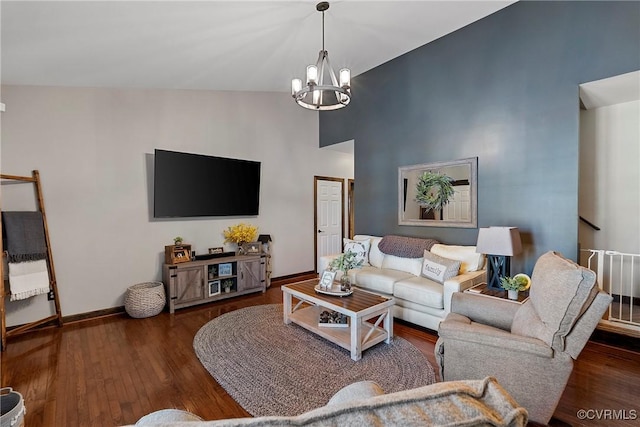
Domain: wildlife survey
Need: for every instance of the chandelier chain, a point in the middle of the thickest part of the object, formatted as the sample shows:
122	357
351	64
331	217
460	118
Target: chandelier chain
323	30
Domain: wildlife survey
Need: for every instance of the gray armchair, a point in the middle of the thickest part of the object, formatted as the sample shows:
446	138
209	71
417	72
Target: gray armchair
529	348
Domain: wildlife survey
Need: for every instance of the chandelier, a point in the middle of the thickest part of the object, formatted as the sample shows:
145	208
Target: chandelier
318	94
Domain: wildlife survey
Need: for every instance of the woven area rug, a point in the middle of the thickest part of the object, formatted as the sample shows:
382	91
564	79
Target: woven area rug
270	368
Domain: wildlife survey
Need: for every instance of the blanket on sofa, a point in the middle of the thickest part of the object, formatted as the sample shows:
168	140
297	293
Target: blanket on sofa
405	247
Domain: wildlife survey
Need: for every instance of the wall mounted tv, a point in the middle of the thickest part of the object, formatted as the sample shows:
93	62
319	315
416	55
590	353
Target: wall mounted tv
190	185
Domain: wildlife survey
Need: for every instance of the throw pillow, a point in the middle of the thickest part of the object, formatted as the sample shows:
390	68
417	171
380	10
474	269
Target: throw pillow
359	247
469	259
438	268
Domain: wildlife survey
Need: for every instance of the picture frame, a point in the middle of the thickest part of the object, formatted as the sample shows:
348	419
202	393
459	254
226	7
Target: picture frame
214	251
252	248
327	278
214	288
225	269
175	254
181	255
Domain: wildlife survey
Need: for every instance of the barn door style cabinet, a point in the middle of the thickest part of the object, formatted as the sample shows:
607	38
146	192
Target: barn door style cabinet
199	282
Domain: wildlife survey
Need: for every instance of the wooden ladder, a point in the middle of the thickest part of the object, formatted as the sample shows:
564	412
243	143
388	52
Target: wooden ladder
53	287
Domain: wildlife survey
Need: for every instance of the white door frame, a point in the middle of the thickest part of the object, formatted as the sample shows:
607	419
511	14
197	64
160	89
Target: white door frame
315	212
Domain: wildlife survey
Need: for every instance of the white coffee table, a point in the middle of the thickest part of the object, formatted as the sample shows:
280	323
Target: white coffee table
360	307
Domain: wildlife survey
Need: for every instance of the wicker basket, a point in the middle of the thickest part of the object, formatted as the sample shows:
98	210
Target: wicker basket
145	299
13	408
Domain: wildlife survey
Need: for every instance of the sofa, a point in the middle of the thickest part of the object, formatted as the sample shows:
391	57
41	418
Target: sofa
460	403
529	347
395	266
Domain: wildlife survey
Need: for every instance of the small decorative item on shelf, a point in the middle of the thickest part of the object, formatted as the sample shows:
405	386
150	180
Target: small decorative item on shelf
240	234
252	248
225	269
515	284
326	281
227	285
333	319
345	262
214	288
175	254
177	240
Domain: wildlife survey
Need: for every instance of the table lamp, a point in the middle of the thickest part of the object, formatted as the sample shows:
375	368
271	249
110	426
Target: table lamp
499	244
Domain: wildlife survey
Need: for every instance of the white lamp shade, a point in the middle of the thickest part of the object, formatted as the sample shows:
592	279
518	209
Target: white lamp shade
345	77
312	74
296	85
499	241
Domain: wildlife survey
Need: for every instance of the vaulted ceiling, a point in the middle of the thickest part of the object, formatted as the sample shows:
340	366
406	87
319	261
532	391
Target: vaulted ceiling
215	45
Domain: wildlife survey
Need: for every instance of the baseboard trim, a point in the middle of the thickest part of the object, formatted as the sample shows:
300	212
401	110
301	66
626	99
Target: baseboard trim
115	311
74	318
91	315
616	339
292	278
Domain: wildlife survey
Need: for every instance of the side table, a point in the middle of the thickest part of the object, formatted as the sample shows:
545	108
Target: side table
482	290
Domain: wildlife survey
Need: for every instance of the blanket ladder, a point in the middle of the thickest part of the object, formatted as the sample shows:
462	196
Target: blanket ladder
53	287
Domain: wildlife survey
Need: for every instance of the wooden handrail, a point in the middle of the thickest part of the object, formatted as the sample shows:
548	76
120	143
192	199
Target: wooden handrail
589	223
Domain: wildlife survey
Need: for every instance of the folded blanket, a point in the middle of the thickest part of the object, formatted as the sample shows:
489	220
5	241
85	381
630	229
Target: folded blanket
25	236
27	279
406	247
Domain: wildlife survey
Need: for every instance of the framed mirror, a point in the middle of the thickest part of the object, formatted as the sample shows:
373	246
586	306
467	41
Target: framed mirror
443	194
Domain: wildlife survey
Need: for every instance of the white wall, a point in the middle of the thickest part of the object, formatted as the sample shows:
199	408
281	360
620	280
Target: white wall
93	148
610	176
610	179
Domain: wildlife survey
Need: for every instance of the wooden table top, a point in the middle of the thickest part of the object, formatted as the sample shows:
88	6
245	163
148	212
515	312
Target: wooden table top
358	301
483	290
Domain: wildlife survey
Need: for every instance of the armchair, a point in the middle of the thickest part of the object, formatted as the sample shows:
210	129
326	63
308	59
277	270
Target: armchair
529	348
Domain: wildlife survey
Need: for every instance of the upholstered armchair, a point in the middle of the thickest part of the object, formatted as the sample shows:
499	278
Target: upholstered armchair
530	347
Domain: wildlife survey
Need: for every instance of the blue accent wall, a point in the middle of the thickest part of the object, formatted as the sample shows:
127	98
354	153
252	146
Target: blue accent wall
503	89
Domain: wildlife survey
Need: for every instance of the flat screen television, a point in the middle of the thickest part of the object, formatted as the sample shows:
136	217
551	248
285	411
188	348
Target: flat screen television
192	185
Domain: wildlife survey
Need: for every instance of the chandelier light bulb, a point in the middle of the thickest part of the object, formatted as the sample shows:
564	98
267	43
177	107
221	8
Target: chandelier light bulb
345	77
312	74
296	85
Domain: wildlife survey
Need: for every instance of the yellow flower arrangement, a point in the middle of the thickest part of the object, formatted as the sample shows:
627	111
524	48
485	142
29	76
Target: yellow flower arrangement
241	233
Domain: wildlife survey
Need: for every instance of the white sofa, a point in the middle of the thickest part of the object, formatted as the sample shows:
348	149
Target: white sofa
418	300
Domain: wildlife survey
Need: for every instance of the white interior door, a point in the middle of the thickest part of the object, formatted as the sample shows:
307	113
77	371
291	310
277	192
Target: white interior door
329	218
459	206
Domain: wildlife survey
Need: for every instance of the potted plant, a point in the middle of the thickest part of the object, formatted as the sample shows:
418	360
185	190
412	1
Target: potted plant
178	240
519	282
345	262
227	285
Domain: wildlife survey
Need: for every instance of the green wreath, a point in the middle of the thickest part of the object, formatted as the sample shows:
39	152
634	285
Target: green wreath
434	190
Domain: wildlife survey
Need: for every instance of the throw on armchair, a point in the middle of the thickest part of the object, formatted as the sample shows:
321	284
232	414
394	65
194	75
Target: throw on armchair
529	348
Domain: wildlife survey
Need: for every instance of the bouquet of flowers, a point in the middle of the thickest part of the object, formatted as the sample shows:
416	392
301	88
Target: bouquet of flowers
241	233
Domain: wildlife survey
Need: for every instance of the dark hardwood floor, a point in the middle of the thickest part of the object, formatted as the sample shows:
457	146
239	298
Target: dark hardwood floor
113	370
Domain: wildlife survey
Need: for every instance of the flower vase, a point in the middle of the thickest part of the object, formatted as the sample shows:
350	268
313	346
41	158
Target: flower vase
512	294
345	282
